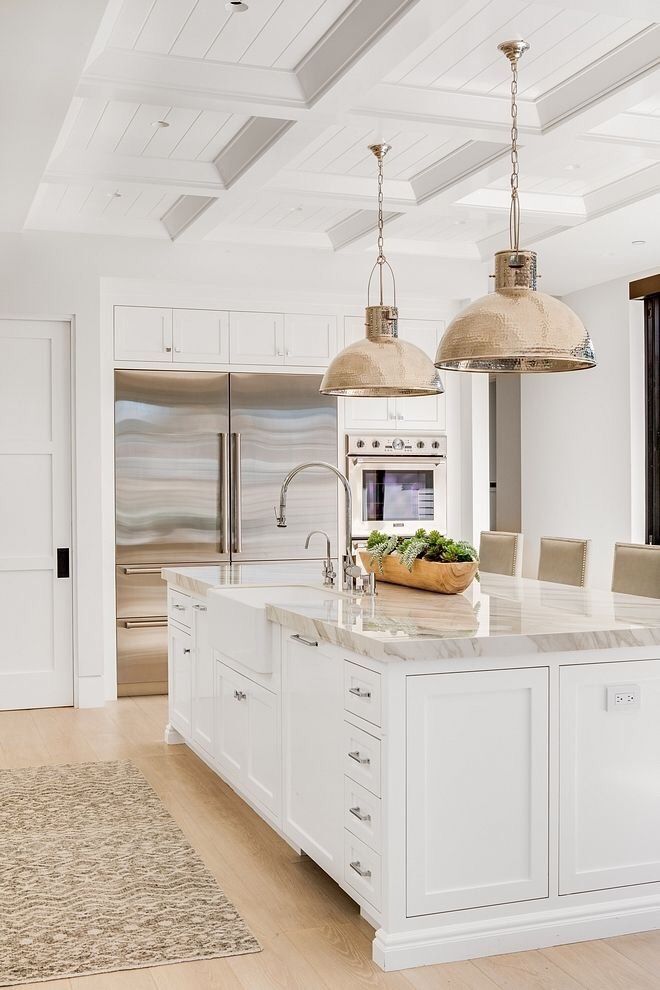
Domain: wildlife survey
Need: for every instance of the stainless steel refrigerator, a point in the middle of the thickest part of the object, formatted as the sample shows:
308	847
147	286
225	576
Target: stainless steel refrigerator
199	460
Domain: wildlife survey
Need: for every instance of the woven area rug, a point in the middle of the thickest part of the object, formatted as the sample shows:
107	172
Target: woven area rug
95	876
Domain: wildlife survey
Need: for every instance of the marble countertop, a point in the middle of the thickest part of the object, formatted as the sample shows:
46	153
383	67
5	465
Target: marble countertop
500	616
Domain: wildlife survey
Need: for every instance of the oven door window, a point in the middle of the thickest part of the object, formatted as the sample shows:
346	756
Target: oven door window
397	493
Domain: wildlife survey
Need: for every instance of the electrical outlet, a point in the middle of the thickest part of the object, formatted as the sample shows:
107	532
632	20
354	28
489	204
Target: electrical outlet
623	697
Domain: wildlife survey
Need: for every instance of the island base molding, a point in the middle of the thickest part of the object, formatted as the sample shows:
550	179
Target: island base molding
455	943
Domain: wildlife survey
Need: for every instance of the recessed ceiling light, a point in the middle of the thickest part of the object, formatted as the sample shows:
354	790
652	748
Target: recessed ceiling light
639	243
235	6
114	195
159	123
572	167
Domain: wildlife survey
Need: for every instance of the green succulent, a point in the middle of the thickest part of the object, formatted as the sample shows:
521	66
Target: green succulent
432	546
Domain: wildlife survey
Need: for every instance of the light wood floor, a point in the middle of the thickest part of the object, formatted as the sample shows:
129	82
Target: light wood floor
312	935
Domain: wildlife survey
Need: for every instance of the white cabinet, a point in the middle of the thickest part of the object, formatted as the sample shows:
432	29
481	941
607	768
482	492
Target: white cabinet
180	679
477	797
247	737
202	715
256	338
200	336
425	412
609	773
309	340
143	333
312	695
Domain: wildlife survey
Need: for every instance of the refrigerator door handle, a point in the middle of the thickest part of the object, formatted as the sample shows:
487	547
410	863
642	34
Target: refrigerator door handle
223	493
236	508
149	569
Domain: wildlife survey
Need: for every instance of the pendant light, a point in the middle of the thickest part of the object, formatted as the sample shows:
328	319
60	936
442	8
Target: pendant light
381	364
515	328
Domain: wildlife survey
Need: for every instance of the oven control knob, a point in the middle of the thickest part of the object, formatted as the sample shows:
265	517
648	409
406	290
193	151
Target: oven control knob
397	444
420	444
375	443
435	444
360	444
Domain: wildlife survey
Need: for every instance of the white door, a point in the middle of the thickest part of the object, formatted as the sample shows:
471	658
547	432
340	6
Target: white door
200	336
143	333
263	763
230	721
256	338
180	679
36	653
477	802
309	340
202	680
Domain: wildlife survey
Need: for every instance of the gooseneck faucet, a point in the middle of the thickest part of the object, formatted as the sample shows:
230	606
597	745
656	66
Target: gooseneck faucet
352	577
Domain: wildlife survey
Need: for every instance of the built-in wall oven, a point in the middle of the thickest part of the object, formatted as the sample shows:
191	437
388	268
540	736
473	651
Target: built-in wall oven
398	483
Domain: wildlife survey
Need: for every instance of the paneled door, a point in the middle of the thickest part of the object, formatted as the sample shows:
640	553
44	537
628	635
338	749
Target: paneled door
36	655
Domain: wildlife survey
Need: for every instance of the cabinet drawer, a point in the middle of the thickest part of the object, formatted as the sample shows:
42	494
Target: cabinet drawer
362	813
362	692
362	869
362	758
179	608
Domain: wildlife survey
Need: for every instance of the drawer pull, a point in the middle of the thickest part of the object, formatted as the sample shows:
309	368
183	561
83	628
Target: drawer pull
365	874
187	650
303	639
179	608
360	815
200	608
359	693
363	760
240	695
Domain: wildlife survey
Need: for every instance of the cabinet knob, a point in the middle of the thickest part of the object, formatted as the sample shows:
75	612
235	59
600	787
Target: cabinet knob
168	349
177	350
187	650
240	695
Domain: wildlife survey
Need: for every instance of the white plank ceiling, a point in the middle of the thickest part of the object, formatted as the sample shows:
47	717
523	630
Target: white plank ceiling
193	122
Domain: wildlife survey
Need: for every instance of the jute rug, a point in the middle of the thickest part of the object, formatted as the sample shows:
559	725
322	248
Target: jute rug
95	876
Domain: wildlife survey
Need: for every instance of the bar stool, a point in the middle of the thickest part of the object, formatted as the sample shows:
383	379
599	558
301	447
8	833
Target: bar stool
636	569
501	553
563	560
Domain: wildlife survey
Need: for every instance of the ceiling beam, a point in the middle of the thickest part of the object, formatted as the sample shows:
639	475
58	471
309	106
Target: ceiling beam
111	170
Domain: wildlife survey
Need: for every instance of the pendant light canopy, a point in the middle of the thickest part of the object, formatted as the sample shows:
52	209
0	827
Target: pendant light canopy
515	328
381	364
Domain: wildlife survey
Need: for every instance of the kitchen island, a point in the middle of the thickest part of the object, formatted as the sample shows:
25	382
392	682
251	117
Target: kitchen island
480	772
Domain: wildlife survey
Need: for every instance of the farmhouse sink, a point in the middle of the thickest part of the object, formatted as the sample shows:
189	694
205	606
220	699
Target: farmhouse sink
238	626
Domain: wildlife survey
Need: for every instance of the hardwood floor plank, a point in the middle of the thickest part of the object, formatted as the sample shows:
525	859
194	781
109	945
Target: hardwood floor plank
279	966
642	948
526	971
449	976
597	964
207	974
341	955
125	979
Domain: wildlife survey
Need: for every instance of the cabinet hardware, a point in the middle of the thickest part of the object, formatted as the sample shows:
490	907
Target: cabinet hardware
360	815
179	608
144	623
63	562
141	570
359	693
200	608
187	650
240	695
364	760
357	866
168	349
303	639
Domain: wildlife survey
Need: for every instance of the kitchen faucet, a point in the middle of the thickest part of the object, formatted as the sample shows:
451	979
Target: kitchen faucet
352	577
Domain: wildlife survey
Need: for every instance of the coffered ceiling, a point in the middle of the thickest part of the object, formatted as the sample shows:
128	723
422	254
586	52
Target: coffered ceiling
192	123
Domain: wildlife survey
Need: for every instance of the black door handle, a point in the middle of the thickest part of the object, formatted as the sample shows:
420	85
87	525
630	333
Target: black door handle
63	562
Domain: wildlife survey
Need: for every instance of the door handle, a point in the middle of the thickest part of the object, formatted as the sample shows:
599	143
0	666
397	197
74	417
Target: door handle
360	815
141	570
359	693
144	623
63	570
223	494
236	507
359	869
303	639
362	760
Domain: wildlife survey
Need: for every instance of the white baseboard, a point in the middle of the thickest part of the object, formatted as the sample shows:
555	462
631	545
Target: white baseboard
90	692
425	947
172	736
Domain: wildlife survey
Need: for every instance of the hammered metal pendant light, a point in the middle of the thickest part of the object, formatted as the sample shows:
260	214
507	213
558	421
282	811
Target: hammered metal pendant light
515	328
381	364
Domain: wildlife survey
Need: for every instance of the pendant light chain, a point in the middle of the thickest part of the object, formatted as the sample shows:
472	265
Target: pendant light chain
514	215
380	260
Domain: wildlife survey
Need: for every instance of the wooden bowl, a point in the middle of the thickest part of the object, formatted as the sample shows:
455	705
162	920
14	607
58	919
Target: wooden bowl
446	579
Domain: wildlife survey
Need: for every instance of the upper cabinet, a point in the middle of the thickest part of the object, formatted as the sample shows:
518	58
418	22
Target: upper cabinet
256	338
309	340
414	413
200	336
143	333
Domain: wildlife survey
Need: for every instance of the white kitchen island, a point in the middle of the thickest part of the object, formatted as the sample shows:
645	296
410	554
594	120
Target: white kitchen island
481	772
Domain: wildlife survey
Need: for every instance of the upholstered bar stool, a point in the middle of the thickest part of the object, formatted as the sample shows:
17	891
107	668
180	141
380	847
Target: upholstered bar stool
501	553
636	569
563	560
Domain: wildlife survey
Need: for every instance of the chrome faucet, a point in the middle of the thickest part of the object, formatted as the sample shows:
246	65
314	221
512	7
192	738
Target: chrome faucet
328	567
352	577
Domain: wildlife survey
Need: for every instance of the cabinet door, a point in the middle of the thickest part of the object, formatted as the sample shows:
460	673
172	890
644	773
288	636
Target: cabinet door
609	807
180	679
202	681
263	768
422	412
312	711
201	336
477	800
231	722
309	340
256	338
143	333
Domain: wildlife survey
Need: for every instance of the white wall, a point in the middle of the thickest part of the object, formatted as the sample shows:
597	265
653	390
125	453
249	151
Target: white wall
60	274
582	437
